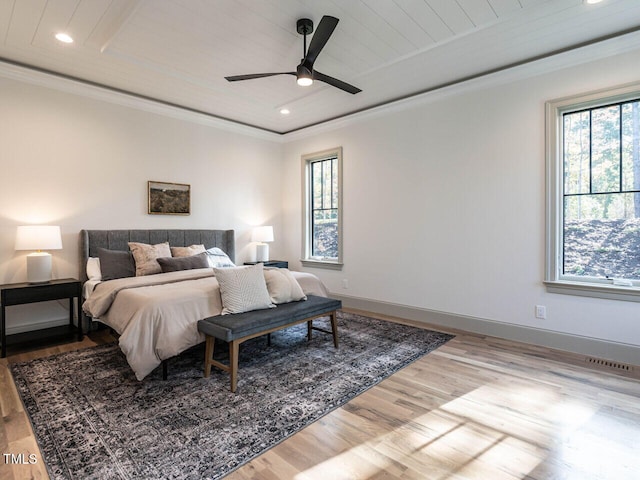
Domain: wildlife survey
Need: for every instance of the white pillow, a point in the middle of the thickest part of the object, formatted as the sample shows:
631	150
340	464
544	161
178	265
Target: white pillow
145	256
282	286
187	251
218	259
242	289
93	269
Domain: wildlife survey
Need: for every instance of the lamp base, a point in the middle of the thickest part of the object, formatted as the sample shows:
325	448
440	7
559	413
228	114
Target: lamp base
39	267
262	252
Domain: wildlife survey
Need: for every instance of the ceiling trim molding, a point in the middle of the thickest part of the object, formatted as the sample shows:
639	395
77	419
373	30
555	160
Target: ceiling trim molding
610	45
614	44
56	81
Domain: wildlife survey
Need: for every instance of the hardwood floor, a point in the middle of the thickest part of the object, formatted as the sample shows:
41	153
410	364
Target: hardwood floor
476	408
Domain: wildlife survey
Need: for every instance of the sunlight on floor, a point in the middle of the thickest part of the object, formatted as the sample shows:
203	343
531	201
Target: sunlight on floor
571	414
595	448
467	439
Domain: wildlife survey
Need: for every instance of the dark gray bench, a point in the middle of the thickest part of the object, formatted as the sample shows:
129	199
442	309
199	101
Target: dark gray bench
239	327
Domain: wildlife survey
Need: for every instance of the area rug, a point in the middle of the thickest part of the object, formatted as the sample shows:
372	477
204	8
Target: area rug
94	420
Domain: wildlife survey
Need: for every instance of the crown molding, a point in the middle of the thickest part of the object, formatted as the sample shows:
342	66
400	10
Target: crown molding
572	56
615	44
54	81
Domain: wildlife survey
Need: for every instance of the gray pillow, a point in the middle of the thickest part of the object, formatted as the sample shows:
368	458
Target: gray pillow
243	289
116	264
173	264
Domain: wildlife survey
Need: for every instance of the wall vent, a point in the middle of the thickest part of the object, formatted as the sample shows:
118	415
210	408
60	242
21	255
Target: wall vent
609	364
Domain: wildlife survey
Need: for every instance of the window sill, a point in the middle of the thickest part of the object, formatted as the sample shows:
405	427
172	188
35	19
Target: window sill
321	264
610	292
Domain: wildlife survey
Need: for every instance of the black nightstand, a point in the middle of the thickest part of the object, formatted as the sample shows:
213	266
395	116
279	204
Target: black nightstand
22	293
271	263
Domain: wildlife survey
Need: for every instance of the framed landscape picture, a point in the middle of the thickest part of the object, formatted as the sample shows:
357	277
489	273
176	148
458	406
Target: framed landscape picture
169	198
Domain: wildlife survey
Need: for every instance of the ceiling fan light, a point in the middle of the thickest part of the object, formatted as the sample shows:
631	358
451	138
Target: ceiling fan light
303	76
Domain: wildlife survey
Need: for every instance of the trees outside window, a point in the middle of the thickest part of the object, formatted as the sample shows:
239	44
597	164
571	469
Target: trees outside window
593	180
322	202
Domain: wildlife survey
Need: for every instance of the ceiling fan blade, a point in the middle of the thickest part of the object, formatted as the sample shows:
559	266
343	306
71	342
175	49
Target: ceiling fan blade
335	82
324	30
250	76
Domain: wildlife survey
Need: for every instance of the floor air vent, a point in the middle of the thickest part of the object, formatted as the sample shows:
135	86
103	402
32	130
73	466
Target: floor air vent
610	364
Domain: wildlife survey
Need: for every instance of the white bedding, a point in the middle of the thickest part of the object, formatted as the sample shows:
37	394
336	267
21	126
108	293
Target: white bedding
156	316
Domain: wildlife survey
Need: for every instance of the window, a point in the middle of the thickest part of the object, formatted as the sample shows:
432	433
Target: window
322	207
593	185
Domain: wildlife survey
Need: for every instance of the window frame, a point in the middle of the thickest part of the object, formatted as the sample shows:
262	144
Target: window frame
555	281
307	211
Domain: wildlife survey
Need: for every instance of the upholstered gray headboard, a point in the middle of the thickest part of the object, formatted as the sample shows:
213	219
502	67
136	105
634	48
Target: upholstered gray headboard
91	240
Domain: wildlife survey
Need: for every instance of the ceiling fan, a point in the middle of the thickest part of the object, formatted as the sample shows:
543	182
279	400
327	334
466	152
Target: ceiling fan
305	74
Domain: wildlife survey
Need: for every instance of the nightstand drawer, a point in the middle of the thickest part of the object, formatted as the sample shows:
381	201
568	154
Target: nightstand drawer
19	294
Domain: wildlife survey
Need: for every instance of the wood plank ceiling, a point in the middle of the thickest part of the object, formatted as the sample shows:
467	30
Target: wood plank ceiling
178	51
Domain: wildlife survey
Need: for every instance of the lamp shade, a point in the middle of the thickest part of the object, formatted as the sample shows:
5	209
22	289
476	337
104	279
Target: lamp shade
38	237
263	234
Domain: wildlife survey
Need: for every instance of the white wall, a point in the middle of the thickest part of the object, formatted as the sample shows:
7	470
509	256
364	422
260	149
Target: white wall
79	163
444	203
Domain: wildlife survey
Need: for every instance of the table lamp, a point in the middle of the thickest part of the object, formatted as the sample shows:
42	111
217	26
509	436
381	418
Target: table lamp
262	235
38	237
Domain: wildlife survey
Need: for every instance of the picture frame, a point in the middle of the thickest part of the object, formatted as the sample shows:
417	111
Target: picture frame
167	198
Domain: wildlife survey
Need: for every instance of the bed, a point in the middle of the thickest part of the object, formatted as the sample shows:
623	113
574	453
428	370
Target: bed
156	315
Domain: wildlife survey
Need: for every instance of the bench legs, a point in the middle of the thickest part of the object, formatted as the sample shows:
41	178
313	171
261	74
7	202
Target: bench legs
231	369
208	355
234	348
334	328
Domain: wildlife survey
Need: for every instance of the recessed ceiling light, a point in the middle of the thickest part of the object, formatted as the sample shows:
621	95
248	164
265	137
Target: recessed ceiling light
64	38
285	111
592	2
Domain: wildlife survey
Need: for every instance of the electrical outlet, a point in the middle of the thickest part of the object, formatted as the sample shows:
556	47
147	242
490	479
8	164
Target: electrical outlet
345	283
541	312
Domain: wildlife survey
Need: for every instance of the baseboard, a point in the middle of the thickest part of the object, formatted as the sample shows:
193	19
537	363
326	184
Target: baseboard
594	347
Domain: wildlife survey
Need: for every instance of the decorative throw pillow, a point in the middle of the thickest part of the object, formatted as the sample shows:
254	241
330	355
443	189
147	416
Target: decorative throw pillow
146	256
242	289
116	264
187	251
282	286
219	259
93	268
173	264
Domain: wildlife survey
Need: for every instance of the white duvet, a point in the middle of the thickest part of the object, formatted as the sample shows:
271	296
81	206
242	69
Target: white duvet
156	316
